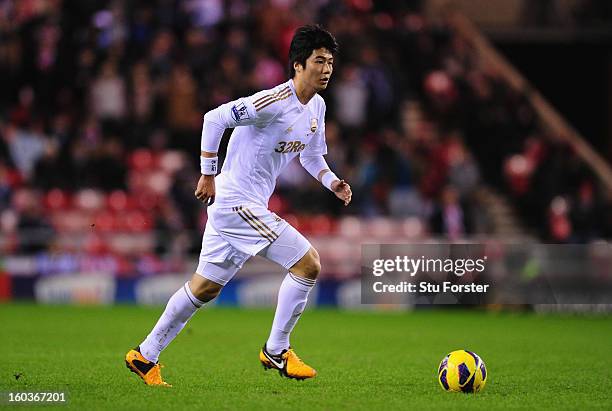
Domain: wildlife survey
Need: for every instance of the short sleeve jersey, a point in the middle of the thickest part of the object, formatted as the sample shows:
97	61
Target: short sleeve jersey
272	127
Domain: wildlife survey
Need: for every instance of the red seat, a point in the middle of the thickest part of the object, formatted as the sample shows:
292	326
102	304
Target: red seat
105	221
56	199
118	200
320	225
138	221
141	159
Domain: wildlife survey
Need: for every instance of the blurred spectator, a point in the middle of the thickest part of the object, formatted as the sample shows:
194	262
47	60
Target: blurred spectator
34	231
26	146
463	173
350	97
380	87
268	72
142	93
108	96
160	58
450	218
5	187
560	225
586	214
183	114
49	171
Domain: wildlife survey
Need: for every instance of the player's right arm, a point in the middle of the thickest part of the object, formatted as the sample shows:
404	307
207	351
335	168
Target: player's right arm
258	109
205	191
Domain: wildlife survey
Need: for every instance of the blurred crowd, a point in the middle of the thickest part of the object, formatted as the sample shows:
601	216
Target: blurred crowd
102	104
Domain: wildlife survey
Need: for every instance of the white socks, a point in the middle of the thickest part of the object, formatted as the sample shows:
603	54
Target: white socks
292	298
180	308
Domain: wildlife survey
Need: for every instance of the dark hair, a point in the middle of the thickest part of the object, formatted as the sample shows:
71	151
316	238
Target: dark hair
305	40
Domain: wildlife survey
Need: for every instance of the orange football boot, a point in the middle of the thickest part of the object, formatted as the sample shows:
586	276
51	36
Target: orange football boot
150	372
287	363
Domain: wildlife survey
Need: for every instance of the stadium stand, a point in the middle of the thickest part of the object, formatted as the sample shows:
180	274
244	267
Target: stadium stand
102	105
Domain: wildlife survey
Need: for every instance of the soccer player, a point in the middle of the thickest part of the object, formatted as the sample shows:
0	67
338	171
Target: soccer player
272	127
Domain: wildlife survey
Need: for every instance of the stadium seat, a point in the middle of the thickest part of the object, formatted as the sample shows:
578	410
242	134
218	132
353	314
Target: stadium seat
380	228
57	199
159	182
321	225
350	227
412	228
117	200
138	221
172	161
105	221
89	199
141	160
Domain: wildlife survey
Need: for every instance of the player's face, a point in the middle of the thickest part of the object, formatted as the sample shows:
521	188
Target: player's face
318	70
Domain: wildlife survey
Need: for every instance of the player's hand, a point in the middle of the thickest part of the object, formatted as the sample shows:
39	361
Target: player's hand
205	192
342	190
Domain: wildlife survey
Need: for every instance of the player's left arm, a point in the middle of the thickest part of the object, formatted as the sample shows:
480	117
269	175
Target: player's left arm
313	161
318	168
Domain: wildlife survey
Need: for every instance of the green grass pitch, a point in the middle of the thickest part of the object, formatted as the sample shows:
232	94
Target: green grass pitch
365	360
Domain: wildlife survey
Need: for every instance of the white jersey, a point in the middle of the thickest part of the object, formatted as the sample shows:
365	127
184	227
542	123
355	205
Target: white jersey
271	128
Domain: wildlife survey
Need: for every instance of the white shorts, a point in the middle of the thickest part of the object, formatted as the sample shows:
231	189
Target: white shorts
234	234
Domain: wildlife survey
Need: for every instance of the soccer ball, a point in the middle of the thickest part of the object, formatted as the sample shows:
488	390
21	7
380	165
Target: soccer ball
462	371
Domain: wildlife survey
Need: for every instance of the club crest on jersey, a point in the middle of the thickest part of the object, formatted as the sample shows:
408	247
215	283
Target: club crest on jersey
314	124
240	112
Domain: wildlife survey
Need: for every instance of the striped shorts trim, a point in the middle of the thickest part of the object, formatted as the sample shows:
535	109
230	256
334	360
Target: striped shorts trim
256	223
